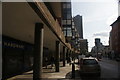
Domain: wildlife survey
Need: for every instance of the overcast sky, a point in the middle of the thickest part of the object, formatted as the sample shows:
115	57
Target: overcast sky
97	17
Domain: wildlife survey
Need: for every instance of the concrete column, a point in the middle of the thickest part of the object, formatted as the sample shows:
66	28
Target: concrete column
67	54
57	56
1	41
118	69
64	56
72	52
38	51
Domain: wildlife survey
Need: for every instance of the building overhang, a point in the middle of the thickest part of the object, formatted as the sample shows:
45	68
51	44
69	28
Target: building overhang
49	20
19	23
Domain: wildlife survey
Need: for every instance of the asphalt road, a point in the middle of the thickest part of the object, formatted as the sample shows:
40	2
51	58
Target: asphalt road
109	70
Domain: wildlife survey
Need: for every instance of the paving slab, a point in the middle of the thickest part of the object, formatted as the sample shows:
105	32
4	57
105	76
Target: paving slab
48	73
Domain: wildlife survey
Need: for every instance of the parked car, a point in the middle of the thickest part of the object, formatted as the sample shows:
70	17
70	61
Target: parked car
89	65
118	59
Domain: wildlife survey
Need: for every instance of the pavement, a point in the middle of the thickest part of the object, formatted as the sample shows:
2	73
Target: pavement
49	73
64	74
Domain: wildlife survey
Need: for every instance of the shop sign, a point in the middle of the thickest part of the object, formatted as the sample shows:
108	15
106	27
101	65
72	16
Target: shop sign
12	45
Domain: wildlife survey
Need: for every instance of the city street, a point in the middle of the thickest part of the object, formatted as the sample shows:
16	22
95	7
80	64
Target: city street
109	69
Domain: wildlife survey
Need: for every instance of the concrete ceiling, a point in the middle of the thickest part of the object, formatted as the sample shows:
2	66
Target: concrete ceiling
19	22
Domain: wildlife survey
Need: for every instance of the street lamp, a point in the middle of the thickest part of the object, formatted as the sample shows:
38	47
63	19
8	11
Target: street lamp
96	44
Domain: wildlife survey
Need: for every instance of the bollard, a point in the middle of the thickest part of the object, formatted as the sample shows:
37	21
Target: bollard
73	71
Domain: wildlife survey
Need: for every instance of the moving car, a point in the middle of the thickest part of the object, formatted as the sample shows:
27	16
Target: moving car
89	65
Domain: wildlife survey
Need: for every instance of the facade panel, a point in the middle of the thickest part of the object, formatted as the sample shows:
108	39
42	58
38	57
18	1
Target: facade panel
67	20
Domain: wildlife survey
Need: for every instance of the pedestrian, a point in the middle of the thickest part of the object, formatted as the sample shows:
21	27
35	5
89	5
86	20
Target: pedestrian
69	60
46	62
52	60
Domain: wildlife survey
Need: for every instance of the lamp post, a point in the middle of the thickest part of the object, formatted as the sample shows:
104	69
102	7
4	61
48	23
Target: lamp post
96	44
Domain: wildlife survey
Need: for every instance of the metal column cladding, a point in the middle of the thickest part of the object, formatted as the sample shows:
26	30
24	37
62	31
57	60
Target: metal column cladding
57	56
38	51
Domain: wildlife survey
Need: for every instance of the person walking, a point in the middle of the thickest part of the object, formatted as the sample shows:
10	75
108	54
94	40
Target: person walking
52	60
46	62
69	60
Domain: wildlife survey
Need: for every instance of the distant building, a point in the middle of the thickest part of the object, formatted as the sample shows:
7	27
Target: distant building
83	46
75	37
110	40
106	51
78	42
79	26
98	48
97	42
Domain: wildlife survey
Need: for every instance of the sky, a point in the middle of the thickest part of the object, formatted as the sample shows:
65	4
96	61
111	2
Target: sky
97	15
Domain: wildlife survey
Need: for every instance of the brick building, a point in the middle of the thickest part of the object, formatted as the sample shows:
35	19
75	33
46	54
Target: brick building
115	37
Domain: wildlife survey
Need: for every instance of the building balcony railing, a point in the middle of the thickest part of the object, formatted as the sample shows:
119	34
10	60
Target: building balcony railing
53	23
